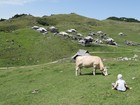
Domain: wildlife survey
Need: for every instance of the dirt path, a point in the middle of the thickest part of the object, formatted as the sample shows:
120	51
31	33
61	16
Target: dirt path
59	60
32	66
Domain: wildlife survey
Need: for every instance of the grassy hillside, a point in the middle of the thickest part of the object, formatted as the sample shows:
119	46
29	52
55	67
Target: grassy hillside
17	23
55	84
28	75
21	45
26	47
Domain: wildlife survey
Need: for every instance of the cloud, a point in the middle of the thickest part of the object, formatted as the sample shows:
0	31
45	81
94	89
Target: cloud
16	2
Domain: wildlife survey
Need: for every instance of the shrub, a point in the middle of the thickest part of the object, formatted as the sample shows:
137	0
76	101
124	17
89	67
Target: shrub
2	19
18	15
9	28
47	21
42	21
124	19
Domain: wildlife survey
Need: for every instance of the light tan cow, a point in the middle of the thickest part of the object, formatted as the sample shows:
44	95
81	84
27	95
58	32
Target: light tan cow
90	61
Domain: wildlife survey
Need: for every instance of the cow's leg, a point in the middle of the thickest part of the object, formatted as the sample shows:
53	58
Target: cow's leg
94	69
80	71
76	70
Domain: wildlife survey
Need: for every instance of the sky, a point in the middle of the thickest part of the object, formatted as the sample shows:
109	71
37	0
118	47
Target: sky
97	9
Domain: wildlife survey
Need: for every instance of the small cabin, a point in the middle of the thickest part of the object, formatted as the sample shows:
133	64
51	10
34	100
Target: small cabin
80	53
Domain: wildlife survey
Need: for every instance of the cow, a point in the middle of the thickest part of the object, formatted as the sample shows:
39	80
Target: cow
90	61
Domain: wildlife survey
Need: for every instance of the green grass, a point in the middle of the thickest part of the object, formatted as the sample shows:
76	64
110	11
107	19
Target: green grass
58	85
25	57
20	45
17	23
27	47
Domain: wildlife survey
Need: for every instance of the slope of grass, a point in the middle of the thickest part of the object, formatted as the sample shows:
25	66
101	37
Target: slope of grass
57	84
67	21
36	81
24	46
17	23
28	47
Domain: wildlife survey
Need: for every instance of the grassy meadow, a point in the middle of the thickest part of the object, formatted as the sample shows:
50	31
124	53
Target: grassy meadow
37	69
56	84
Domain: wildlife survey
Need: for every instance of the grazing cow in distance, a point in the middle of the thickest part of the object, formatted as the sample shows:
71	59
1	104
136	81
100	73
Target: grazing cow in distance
53	29
110	41
35	27
71	30
99	32
63	33
42	30
90	61
121	34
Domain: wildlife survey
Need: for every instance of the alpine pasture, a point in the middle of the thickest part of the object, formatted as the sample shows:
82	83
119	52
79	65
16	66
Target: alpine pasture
37	69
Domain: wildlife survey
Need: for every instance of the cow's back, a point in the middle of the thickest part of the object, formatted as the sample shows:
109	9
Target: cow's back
87	61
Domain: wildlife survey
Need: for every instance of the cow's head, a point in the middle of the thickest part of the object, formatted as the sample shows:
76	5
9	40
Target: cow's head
105	71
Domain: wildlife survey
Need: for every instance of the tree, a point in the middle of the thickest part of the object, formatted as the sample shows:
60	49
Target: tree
123	19
2	19
18	15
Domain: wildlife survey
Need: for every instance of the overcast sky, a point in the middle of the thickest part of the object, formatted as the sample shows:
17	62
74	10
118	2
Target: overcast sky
97	9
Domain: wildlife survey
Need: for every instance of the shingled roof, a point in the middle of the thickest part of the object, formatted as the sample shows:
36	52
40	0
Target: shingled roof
80	53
